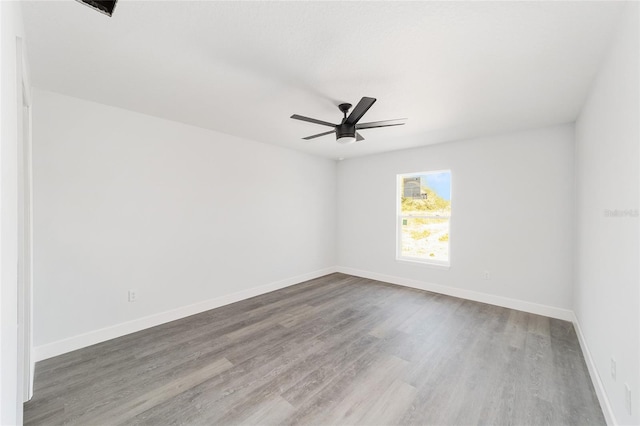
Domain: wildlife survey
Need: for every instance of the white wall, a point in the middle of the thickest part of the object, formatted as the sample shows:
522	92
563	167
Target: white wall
181	214
606	294
512	207
10	385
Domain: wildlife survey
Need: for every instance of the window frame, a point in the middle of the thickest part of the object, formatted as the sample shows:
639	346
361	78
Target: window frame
400	216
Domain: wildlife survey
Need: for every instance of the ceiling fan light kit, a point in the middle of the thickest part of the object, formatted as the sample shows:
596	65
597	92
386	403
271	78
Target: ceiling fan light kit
345	140
347	131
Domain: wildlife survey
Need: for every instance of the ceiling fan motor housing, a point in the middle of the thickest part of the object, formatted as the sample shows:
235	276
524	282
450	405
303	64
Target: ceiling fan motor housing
344	131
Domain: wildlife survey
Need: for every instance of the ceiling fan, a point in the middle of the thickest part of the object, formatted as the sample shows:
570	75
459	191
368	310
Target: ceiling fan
347	131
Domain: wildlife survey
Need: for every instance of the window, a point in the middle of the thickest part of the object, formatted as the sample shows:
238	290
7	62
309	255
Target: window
424	213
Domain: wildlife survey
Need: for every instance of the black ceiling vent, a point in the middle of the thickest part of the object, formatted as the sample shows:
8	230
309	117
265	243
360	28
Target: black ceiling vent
104	6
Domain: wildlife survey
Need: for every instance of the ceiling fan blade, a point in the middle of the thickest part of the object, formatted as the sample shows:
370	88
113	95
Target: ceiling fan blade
312	120
359	137
362	107
318	135
385	123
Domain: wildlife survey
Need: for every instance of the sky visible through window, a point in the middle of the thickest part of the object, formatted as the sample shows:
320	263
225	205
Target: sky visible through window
440	183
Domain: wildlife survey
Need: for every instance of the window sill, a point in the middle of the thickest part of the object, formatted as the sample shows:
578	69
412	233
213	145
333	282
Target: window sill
436	265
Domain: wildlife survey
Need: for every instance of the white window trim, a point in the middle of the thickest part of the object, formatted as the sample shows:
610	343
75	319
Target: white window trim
399	216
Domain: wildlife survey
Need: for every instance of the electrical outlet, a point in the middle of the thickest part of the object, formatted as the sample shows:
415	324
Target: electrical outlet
627	397
486	275
133	295
613	368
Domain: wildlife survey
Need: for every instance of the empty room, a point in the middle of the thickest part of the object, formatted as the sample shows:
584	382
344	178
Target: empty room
320	213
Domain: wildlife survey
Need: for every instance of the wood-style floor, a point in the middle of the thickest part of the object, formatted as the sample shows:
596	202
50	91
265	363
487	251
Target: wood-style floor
335	350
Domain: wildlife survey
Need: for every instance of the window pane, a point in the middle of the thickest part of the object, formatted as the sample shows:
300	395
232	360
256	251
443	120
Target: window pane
429	193
425	238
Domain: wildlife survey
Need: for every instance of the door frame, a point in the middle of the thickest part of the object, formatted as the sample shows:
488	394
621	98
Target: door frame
26	360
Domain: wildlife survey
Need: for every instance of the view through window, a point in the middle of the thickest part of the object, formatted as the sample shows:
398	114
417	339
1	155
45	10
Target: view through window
424	213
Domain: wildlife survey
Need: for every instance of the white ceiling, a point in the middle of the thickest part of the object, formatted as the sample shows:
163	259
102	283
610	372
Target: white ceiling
454	69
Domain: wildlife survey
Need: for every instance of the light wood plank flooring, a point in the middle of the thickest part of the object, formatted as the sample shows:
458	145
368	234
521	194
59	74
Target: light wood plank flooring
335	350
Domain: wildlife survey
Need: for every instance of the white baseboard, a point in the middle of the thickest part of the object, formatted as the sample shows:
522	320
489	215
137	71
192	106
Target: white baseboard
87	339
520	305
595	377
91	338
97	336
